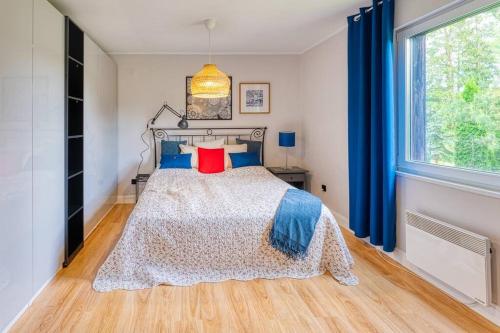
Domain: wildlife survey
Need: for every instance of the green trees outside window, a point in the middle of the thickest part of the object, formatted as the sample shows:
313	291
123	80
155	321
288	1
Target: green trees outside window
456	94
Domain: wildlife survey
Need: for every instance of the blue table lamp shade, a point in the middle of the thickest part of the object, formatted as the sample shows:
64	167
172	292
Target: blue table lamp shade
287	140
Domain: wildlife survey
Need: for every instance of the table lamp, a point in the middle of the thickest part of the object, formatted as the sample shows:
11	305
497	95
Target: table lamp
287	140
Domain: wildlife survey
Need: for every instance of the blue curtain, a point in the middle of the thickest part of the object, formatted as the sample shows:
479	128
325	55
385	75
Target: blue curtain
371	128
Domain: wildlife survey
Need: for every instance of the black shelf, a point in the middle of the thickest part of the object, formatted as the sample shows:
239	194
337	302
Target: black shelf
75	193
74	41
74	174
75	79
75	60
73	210
75	117
75	232
75	155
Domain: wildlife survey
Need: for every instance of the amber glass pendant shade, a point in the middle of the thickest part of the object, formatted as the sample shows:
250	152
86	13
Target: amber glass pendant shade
210	82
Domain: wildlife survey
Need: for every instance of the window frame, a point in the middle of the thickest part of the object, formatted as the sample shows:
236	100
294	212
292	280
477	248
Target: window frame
480	179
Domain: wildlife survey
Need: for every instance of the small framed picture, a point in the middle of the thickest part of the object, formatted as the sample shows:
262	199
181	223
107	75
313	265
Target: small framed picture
255	97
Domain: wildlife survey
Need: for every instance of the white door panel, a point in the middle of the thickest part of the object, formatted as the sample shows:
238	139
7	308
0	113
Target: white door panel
15	157
48	142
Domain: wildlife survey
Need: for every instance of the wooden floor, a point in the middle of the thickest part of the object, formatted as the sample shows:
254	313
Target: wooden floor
388	299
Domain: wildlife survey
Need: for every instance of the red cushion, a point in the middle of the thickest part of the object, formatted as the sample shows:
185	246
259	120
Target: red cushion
210	160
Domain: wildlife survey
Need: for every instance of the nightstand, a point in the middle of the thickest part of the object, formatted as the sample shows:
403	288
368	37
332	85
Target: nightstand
140	182
293	176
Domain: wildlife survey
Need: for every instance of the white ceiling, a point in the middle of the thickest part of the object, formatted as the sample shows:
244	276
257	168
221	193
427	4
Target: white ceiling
175	26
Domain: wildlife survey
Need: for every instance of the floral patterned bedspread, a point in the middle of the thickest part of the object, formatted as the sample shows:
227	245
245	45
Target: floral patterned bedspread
190	227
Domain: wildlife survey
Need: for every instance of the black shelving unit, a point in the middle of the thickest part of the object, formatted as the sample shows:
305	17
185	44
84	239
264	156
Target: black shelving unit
74	141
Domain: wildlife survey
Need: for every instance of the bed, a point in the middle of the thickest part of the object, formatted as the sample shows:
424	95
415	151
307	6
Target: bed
189	227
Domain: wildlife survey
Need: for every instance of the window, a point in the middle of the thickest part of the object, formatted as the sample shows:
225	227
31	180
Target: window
449	91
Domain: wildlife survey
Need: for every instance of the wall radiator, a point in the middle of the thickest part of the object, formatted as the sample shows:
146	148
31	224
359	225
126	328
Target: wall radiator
458	257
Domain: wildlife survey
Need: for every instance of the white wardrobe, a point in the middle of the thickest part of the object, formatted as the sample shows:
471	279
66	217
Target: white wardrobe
32	157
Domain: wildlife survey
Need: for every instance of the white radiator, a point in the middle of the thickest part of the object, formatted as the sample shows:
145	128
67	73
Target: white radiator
458	257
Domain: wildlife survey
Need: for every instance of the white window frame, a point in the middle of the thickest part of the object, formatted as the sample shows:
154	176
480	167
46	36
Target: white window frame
489	181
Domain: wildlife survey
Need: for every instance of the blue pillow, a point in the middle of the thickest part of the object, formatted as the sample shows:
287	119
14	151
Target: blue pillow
171	147
239	160
252	146
175	161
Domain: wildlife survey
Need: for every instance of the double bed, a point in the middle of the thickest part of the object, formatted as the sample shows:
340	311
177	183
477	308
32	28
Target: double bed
189	227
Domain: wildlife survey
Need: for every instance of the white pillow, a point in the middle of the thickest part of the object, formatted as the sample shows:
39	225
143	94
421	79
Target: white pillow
210	144
232	149
185	149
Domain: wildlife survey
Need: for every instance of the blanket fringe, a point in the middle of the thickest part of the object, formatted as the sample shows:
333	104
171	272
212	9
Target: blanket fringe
290	248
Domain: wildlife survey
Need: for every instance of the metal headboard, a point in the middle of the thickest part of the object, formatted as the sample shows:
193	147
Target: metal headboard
200	134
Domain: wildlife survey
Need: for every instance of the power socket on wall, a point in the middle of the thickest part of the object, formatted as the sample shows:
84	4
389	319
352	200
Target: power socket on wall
323	187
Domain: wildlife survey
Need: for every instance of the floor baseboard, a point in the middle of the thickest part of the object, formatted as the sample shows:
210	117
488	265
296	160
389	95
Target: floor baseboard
100	220
492	312
125	199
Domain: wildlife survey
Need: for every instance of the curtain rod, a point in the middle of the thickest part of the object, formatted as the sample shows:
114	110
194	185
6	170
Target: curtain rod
369	9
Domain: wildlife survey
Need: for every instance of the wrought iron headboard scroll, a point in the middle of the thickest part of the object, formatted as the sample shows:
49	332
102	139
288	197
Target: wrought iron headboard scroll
200	134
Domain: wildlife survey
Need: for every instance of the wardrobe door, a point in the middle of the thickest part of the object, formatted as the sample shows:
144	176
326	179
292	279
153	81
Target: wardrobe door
100	146
15	158
48	142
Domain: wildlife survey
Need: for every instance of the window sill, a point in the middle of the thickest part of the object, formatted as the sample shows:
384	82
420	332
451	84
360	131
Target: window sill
449	184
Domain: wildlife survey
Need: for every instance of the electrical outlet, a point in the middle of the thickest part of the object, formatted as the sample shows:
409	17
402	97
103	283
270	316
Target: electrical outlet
323	188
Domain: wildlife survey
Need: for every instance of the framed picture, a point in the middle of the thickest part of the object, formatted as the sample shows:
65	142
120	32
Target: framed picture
208	108
255	97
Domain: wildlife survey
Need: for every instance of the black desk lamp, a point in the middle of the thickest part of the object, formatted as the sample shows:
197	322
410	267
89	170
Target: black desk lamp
181	124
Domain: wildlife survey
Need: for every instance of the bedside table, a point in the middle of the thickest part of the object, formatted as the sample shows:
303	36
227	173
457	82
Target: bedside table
293	176
140	182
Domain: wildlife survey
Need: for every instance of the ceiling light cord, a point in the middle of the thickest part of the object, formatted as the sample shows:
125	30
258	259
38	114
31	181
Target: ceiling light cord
210	25
209	46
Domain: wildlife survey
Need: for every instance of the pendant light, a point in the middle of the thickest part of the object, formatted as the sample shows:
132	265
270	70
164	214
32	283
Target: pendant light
210	82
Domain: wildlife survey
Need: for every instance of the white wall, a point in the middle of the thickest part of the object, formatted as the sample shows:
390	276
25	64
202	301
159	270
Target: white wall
100	134
146	81
324	96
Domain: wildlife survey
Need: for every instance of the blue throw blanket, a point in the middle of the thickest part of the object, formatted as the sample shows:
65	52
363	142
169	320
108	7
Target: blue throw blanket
294	223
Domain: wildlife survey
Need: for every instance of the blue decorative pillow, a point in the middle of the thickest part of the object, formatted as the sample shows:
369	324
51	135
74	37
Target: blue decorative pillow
171	147
252	146
175	161
239	160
